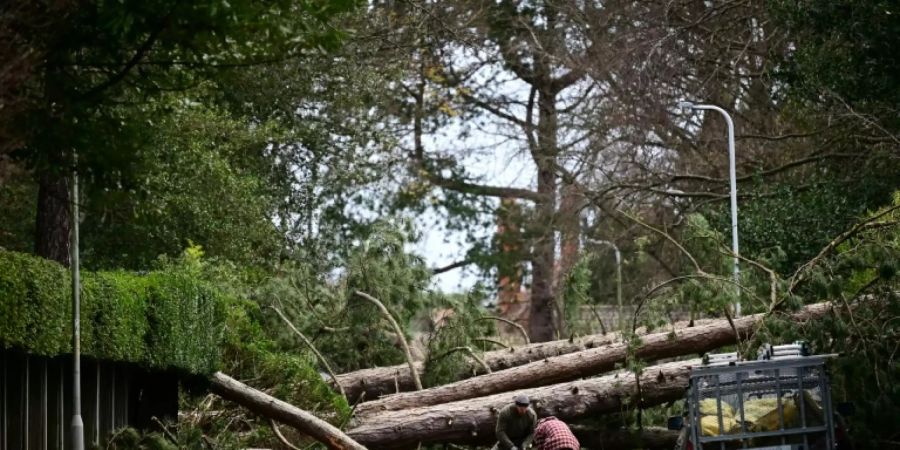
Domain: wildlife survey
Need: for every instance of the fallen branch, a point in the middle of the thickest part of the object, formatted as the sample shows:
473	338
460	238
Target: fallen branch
314	350
468	351
273	408
413	372
492	341
510	322
281	437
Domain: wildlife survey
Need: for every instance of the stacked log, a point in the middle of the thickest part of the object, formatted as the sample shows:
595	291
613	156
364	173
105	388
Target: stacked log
473	420
380	381
653	347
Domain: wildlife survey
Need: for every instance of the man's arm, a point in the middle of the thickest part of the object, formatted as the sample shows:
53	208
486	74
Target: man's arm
539	437
527	441
505	441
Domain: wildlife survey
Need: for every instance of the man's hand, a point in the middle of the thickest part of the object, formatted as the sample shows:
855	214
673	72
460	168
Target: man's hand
514	448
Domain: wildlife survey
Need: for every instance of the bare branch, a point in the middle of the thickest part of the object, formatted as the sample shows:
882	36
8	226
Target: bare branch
400	335
510	322
281	436
449	267
314	350
467	350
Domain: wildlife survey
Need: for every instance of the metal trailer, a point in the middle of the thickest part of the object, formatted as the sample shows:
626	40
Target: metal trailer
797	385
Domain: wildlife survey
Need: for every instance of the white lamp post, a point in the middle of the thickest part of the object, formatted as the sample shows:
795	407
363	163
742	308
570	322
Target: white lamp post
77	425
687	108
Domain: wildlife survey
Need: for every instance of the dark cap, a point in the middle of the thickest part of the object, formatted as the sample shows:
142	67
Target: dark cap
522	400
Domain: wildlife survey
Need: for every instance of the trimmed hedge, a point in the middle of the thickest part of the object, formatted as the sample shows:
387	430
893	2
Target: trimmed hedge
167	319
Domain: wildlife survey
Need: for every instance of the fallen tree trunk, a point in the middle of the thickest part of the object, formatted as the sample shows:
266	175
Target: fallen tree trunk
380	381
472	421
651	438
272	408
696	340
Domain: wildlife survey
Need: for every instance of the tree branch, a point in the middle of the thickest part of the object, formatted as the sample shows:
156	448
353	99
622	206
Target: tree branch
449	267
485	190
135	59
273	408
798	276
400	335
468	351
510	322
281	436
314	350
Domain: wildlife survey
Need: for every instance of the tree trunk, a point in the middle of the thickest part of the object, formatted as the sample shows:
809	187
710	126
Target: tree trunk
380	381
54	223
651	438
472	421
541	326
272	408
585	363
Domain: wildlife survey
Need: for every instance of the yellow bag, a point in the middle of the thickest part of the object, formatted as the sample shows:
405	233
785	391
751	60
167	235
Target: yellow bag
756	408
708	408
709	425
769	421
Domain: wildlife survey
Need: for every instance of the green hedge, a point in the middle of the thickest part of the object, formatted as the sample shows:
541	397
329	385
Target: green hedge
167	319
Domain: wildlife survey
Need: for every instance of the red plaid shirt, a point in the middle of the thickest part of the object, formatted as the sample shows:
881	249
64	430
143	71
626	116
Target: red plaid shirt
553	434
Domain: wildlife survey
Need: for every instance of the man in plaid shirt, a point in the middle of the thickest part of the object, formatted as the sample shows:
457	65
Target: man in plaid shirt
553	434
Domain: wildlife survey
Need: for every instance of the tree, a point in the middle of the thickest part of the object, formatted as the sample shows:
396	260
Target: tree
107	62
205	179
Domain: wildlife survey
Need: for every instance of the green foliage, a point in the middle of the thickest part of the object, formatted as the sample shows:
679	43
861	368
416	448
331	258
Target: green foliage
576	293
205	179
456	326
35	304
863	328
117	304
847	49
785	225
112	59
18	200
169	318
380	267
254	348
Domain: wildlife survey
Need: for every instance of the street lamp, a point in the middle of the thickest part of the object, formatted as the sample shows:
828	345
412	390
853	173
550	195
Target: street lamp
687	108
618	276
77	425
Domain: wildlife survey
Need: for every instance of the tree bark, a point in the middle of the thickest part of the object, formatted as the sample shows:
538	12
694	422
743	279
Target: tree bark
380	381
541	324
272	408
585	363
472	421
54	223
651	438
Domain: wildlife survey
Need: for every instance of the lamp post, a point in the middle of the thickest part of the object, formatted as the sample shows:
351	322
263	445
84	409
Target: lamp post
687	108
77	424
618	275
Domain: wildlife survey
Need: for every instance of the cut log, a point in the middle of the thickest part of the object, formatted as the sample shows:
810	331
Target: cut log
651	438
473	421
272	408
380	381
686	341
